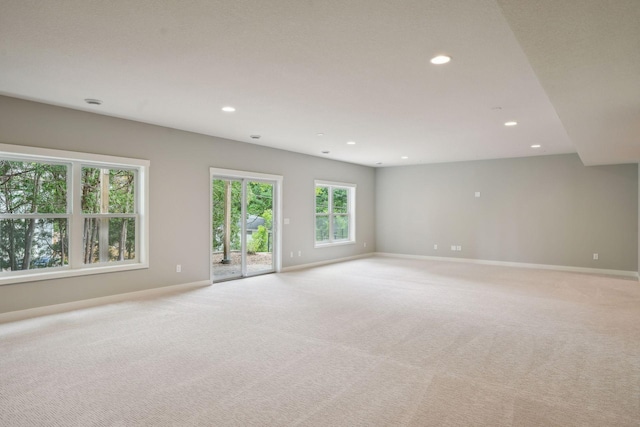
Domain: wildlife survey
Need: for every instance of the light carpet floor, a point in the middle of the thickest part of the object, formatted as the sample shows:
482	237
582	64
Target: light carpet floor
372	342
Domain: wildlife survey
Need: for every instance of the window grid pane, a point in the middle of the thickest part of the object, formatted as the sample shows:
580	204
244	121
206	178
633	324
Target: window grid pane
322	200
340	200
322	228
341	227
107	190
27	244
32	187
109	240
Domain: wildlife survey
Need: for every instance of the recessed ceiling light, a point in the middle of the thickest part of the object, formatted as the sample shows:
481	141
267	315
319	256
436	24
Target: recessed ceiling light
404	157
228	109
321	134
510	123
255	136
536	146
440	59
378	163
92	101
351	143
325	152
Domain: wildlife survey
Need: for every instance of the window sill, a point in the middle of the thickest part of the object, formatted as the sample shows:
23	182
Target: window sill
66	272
332	244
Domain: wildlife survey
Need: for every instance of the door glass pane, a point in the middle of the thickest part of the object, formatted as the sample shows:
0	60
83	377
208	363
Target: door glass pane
226	212
259	227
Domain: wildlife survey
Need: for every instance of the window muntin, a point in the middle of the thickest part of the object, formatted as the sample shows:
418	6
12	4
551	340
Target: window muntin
48	229
334	213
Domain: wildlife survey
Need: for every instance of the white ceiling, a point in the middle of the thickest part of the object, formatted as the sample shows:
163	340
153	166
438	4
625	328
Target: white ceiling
354	70
586	54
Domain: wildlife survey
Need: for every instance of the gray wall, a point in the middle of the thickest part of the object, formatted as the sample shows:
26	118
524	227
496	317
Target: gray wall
179	193
542	210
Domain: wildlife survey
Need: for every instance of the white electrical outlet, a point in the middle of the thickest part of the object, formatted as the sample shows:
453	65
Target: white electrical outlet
286	221
299	253
458	248
291	254
477	194
595	256
178	268
453	247
435	247
365	244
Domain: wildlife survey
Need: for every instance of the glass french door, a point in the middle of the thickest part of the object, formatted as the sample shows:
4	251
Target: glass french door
243	215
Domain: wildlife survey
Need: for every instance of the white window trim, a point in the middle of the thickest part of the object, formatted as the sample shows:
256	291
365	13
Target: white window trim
352	214
76	160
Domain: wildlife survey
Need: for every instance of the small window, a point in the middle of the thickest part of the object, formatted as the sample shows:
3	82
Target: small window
65	214
334	213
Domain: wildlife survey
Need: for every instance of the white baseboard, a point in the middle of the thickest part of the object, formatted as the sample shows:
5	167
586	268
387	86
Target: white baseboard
110	299
13	316
624	273
331	261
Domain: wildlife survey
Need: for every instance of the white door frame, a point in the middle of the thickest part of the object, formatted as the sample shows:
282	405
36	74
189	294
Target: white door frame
277	206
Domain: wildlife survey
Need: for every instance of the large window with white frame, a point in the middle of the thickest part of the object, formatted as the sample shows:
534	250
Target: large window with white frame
66	213
334	213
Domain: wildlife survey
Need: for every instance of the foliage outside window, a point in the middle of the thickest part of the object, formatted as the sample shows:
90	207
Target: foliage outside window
219	188
48	229
108	208
34	220
259	207
334	213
